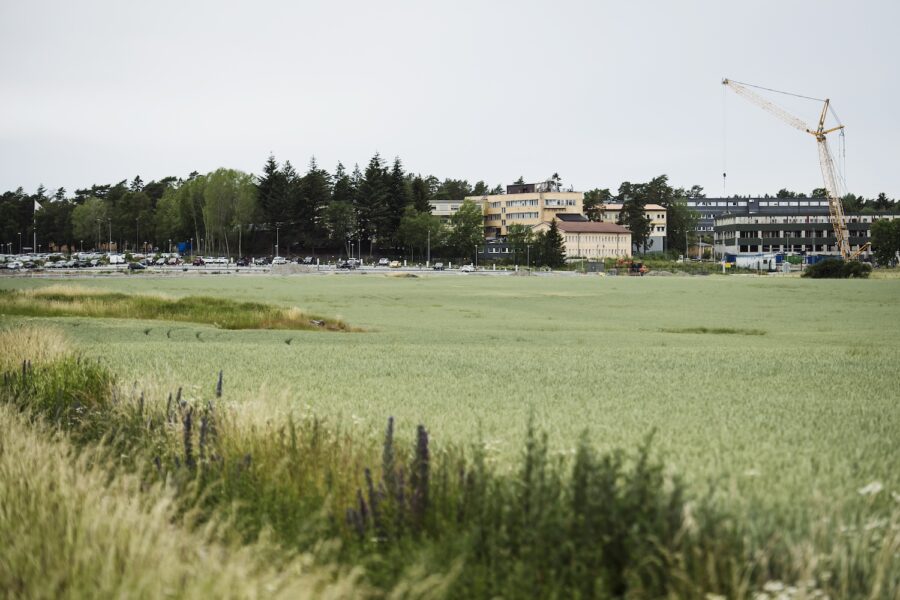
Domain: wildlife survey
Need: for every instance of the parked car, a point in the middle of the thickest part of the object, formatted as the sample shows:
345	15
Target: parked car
136	266
242	262
395	264
383	262
198	262
14	265
279	260
347	264
466	269
438	266
308	260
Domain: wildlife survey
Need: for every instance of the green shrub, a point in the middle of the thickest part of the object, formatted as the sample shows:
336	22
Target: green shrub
837	269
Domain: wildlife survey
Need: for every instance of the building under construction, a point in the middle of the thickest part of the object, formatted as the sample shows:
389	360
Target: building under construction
789	231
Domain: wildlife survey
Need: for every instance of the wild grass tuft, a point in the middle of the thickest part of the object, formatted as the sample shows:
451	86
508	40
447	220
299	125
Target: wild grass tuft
56	301
716	330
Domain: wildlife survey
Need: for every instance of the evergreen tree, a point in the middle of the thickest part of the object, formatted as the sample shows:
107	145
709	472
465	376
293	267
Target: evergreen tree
398	198
554	254
316	193
421	194
272	192
372	202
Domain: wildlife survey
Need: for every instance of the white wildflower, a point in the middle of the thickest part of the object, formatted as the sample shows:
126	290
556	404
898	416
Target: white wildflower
773	586
871	489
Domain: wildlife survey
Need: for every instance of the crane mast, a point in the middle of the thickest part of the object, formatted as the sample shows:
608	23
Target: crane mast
826	161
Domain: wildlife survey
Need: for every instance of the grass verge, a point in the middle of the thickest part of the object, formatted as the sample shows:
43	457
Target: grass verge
66	301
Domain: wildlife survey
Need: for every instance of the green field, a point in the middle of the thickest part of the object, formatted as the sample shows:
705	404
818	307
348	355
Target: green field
771	392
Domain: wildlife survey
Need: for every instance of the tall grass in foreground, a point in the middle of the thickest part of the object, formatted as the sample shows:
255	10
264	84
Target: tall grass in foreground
63	301
419	519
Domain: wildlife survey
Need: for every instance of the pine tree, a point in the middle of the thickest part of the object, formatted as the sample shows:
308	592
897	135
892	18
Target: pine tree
372	202
398	199
316	192
273	193
421	194
554	247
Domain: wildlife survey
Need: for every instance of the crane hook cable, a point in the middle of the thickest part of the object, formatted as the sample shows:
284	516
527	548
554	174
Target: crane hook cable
759	87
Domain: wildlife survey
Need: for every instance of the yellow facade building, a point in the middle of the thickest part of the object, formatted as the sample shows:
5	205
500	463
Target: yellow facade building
592	240
525	204
657	214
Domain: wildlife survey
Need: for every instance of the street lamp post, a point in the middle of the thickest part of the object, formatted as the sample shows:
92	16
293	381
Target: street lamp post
20	242
277	239
529	256
109	231
137	233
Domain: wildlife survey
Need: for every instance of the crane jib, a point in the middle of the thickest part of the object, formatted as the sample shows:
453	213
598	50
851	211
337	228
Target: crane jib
826	162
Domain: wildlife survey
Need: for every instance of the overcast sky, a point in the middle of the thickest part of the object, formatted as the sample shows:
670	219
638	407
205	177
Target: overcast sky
600	92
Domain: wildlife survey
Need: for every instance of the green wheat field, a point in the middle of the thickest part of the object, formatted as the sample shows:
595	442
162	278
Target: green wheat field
777	399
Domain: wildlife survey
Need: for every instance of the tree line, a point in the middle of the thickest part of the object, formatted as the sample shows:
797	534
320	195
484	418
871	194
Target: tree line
379	208
231	212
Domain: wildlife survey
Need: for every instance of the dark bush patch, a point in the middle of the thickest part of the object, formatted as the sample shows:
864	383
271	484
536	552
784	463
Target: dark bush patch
837	269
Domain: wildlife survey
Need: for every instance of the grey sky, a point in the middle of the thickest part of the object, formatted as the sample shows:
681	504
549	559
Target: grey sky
601	92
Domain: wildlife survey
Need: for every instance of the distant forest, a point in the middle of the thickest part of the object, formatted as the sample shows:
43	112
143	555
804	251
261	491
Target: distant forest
381	207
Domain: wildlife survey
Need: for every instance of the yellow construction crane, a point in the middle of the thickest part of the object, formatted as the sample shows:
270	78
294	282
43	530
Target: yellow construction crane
829	175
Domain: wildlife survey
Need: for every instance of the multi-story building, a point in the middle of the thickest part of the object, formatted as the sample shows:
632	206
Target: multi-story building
526	204
791	232
708	209
591	240
657	240
445	209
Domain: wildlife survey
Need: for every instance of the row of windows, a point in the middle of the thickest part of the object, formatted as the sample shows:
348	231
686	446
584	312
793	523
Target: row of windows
533	202
560	203
795	203
693	204
592	238
605	252
522	215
